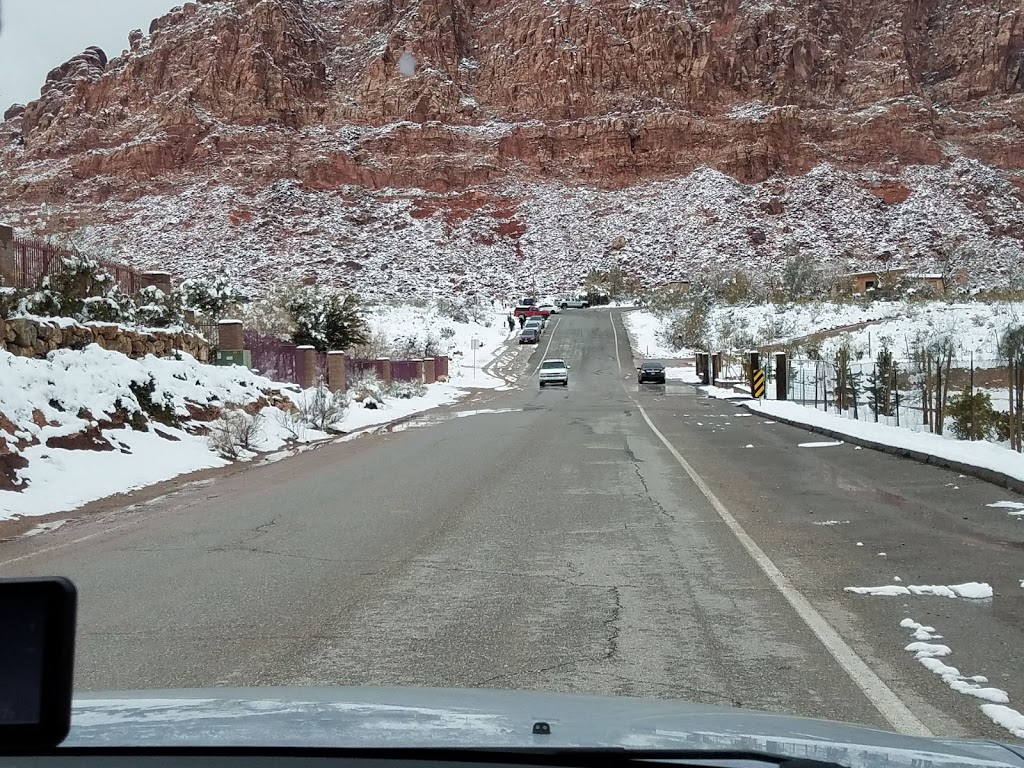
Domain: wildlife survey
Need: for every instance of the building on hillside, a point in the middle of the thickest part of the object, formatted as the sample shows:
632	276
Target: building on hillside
859	283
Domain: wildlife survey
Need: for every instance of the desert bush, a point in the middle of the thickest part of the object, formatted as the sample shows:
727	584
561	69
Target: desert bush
235	431
320	408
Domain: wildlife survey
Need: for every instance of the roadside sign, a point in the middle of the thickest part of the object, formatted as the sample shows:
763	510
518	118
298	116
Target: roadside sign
758	381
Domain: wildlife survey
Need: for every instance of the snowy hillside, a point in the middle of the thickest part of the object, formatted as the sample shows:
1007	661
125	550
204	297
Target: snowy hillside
502	240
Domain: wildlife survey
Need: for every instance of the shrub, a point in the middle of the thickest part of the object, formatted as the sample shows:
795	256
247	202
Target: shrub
235	431
407	390
320	408
161	412
211	297
973	416
157	309
327	321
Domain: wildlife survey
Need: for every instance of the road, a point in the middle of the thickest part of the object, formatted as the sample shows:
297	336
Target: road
604	538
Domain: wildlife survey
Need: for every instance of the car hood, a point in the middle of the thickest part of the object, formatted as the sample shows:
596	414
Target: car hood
432	717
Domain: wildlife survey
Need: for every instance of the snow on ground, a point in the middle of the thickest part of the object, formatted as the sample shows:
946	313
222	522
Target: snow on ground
684	374
971	590
482	329
928	654
644	330
721	393
977	454
86	391
1014	508
974	327
821	444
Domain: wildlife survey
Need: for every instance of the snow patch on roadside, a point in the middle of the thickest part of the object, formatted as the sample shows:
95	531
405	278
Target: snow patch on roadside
1013	508
971	590
978	454
928	654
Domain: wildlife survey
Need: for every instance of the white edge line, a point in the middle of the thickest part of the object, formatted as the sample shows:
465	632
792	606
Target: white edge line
881	696
548	347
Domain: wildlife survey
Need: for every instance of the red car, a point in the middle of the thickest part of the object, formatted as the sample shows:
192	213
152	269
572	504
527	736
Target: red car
528	311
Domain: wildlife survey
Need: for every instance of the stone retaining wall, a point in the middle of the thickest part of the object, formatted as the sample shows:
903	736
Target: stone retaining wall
29	337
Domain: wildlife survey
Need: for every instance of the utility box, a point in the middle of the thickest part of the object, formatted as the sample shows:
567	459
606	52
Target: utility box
234	357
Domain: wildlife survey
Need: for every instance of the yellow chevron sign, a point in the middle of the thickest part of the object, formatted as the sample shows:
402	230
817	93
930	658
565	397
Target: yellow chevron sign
758	384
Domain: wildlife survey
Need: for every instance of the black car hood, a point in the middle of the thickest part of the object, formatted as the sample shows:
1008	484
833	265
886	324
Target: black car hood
428	717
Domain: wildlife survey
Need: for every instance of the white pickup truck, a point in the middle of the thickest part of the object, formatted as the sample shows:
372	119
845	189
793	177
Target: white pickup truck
554	371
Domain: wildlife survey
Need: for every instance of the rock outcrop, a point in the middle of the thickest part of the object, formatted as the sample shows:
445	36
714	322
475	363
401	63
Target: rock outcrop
442	95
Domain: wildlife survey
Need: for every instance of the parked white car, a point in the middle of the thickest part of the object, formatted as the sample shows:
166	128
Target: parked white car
552	308
554	371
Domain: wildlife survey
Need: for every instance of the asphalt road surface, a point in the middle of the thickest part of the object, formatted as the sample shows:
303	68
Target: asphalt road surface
604	538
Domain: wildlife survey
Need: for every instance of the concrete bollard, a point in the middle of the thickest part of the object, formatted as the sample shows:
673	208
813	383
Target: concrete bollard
337	371
781	376
305	366
383	369
429	371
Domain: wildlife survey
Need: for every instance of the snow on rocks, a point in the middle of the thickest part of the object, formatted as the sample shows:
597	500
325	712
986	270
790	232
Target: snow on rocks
929	654
972	590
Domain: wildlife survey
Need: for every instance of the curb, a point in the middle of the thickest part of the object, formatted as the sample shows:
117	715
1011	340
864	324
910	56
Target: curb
982	473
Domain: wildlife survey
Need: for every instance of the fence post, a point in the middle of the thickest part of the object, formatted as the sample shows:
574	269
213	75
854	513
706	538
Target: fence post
305	366
429	371
383	369
337	370
781	376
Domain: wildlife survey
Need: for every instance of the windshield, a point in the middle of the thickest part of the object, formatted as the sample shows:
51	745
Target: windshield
271	395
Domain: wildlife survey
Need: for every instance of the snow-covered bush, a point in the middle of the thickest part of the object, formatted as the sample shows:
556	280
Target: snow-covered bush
325	320
368	390
235	432
115	307
157	309
406	390
320	408
211	297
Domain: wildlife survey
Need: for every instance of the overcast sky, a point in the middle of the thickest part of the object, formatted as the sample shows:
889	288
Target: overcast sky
39	35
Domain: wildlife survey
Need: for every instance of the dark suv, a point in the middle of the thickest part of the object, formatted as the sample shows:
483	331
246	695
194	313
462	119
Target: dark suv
650	371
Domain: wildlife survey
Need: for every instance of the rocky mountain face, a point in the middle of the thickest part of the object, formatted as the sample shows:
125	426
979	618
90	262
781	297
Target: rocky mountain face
358	99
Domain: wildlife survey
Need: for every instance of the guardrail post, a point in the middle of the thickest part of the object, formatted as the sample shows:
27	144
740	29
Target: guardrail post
781	376
337	370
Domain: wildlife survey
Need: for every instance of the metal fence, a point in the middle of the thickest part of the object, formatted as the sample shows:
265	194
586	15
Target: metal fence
893	393
26	262
404	370
271	357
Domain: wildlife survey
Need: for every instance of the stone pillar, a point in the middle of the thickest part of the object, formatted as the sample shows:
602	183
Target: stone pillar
305	366
189	316
230	335
337	371
703	358
6	255
383	365
419	370
429	371
716	367
161	280
441	366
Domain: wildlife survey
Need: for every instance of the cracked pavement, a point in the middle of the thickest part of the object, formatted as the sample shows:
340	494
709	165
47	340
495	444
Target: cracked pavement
555	547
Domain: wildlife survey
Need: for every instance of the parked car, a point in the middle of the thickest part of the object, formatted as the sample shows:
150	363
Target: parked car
554	371
650	371
527	310
535	322
575	303
529	336
551	308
